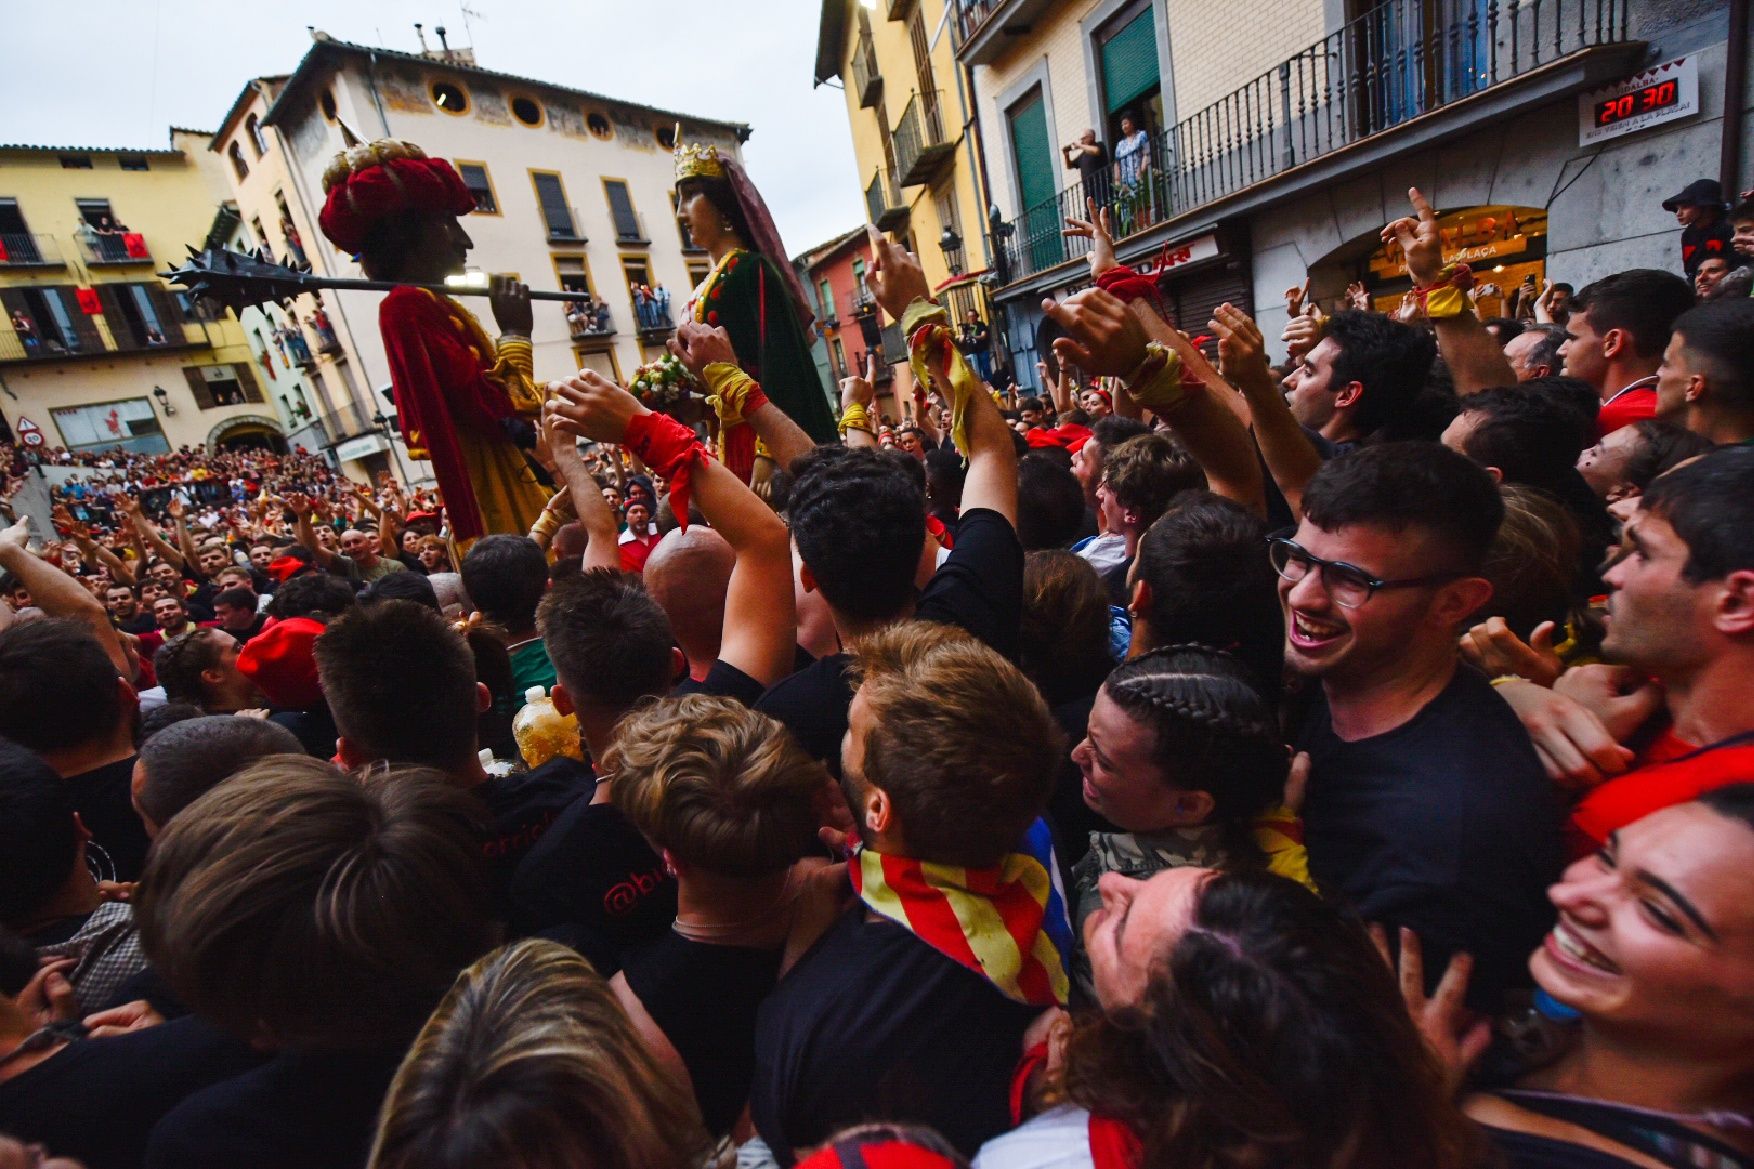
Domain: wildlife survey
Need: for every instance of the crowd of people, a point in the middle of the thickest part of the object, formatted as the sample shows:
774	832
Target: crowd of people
1205	764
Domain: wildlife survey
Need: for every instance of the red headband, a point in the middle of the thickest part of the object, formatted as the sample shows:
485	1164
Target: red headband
399	185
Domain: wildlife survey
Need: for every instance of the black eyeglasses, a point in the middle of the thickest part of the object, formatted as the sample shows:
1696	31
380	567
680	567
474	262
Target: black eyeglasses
1348	584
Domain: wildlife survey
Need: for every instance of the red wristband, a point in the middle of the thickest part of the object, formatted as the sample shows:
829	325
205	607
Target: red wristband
670	449
1129	285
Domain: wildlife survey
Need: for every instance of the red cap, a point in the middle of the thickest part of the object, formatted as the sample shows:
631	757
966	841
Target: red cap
281	662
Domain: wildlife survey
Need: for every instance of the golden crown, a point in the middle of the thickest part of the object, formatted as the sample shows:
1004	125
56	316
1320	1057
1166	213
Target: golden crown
697	162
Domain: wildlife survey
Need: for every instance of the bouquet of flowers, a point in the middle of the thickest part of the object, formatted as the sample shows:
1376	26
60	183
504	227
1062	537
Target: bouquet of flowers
662	384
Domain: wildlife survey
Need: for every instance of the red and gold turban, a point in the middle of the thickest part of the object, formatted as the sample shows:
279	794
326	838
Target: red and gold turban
372	181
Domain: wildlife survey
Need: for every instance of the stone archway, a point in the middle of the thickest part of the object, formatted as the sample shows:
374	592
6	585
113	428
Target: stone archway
248	431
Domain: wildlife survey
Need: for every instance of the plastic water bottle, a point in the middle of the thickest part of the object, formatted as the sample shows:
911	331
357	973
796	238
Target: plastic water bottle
543	733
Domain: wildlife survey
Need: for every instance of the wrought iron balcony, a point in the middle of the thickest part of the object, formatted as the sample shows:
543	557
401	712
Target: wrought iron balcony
24	250
883	202
653	321
920	148
121	247
867	81
1378	72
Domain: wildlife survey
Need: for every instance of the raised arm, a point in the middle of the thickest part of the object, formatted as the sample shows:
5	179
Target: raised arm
857	395
1476	360
301	506
180	524
148	534
706	351
1107	336
59	594
761	624
1291	458
595	515
977	427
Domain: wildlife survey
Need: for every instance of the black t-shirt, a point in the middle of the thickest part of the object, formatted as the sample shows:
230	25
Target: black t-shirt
138	624
300	1110
1446	824
101	797
705	998
979	587
592	869
97	1100
725	680
315	729
523	806
1093	170
874	1024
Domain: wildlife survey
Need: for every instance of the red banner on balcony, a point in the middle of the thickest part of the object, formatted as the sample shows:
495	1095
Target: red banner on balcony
135	243
4	257
89	304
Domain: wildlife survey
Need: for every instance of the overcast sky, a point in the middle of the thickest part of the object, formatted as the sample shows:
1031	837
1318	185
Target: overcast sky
119	72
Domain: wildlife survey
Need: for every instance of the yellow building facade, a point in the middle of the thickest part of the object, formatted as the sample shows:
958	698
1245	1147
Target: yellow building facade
915	139
95	350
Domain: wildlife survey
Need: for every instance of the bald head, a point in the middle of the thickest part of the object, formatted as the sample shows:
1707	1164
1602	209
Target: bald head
687	574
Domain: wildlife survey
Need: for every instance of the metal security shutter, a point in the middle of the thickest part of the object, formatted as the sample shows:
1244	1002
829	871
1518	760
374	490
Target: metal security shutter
555	212
1129	62
1194	298
621	210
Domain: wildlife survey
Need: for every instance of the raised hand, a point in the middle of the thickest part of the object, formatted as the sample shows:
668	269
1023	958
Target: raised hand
1102	336
593	407
1357	297
861	391
1302	333
896	278
175	507
1096	229
1419	240
299	504
1495	649
698	346
1453	1034
1242	351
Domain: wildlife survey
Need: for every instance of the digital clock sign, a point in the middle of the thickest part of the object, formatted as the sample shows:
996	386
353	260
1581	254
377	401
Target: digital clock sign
1642	100
1662	93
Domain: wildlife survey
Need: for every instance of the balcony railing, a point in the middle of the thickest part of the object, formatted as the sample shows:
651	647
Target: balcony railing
116	248
1385	68
863	300
23	250
883	202
652	319
867	80
920	148
589	322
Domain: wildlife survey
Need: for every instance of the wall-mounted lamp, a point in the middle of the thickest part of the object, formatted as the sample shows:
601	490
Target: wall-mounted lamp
164	400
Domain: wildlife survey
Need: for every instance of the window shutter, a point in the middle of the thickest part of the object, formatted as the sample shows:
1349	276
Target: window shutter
621	208
1129	62
119	317
1040	211
247	379
554	209
84	327
170	313
198	386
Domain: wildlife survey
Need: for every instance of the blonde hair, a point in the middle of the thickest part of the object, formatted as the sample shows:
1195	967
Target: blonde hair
960	741
530	1062
716	784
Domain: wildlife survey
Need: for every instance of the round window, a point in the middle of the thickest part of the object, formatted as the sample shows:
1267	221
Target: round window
526	110
600	126
449	98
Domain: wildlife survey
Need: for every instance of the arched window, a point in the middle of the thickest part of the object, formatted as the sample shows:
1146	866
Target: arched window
237	161
254	125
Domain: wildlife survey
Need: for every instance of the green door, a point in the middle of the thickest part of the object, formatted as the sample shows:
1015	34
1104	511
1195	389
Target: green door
1041	245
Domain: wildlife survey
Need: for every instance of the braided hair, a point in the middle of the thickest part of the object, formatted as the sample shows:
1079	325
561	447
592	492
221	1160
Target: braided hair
1213	731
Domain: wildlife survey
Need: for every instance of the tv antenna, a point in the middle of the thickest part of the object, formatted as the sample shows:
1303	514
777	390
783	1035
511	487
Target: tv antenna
466	12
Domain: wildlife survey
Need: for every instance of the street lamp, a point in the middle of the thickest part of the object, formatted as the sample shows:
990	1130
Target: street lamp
164	400
1002	233
951	245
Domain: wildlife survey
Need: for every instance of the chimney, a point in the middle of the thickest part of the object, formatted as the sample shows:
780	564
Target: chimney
421	33
444	45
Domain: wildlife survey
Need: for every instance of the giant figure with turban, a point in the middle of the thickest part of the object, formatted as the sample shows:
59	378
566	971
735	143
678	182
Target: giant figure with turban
460	395
753	293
